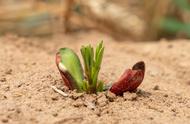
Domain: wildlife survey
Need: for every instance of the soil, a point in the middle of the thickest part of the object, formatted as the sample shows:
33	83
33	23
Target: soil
28	71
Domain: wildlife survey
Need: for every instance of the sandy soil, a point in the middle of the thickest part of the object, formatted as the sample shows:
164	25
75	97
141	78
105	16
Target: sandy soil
27	70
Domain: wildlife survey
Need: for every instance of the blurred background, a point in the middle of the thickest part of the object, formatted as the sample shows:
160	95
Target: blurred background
139	20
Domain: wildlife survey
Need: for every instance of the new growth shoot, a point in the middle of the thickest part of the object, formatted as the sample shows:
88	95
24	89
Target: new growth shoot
92	63
71	70
87	80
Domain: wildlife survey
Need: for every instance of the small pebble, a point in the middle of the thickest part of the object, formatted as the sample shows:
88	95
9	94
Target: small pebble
111	96
156	87
78	103
5	120
3	79
102	100
151	118
3	97
130	96
90	97
55	98
55	114
77	95
19	85
143	93
18	111
97	112
39	109
9	71
90	105
165	95
6	87
33	63
173	110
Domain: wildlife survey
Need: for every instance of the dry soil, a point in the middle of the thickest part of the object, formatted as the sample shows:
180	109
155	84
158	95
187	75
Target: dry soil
28	70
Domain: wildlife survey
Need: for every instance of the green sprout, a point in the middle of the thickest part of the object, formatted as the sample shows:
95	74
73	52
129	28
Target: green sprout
92	63
72	72
87	81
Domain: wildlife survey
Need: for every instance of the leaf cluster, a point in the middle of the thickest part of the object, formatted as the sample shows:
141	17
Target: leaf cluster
92	60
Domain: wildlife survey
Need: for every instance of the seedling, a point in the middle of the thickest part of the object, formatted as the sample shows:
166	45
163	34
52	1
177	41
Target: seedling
71	70
74	77
92	63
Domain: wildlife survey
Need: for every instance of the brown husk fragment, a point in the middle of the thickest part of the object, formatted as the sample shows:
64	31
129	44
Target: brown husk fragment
130	79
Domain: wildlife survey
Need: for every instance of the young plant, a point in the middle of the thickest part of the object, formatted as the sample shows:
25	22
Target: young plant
92	63
71	71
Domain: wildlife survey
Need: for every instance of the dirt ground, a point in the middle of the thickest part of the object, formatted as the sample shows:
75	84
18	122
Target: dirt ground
28	70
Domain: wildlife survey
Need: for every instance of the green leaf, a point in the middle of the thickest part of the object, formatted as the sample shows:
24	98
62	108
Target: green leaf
85	86
92	63
72	63
100	86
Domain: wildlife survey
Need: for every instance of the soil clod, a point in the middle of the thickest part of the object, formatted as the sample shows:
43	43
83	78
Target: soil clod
5	120
111	96
9	71
3	79
102	100
90	105
168	102
130	96
142	93
78	103
156	87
